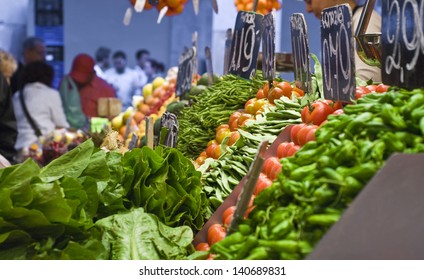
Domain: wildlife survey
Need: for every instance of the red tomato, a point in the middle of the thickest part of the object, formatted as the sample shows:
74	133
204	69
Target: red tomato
298	92
293	149
245	121
334	104
243	117
371	88
283	148
216	233
361	91
306	134
338	112
203	154
228	212
382	88
234	116
228	220
221	134
294	131
217	151
260	94
212	142
200	160
265	88
250	207
234	125
275	93
210	150
316	113
272	167
235	135
262	183
286	88
203	246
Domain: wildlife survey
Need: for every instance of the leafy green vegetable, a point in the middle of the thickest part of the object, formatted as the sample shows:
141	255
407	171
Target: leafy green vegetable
137	235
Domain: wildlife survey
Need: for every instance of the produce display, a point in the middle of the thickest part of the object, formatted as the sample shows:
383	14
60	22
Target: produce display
322	178
264	6
70	208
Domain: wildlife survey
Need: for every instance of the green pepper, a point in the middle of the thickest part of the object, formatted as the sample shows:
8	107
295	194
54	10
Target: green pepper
324	194
288	246
364	171
289	256
236	237
222	251
303	171
332	174
282	229
351	185
358	123
323	219
304	247
248	245
326	161
391	116
258	253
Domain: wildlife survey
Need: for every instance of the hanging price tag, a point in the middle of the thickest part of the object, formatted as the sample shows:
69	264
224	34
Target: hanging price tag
338	64
245	44
268	48
300	48
185	72
403	43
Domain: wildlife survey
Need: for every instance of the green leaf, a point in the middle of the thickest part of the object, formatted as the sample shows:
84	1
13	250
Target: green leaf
97	167
26	218
71	164
140	236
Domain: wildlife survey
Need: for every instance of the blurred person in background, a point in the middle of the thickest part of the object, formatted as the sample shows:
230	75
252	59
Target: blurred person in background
363	71
124	80
80	91
142	56
43	104
8	129
34	49
102	61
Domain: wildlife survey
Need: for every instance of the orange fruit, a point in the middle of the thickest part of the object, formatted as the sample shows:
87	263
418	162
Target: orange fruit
143	108
122	130
138	117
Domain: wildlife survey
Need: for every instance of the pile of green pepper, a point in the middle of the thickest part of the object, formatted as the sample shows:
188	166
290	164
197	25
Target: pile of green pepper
322	179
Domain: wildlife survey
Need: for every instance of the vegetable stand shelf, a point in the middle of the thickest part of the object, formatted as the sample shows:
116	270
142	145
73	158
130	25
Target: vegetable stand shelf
385	220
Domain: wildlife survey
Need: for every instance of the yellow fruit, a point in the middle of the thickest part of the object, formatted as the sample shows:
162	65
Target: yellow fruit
117	122
126	115
147	90
157	82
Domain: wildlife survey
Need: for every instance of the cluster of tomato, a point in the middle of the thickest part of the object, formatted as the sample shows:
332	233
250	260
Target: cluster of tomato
363	90
175	7
278	90
264	6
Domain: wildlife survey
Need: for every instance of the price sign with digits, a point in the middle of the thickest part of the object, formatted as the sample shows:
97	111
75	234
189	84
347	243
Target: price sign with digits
245	44
268	48
300	46
403	43
338	64
185	72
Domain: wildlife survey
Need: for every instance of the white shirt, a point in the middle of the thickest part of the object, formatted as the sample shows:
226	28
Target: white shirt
143	79
363	70
44	106
126	84
99	72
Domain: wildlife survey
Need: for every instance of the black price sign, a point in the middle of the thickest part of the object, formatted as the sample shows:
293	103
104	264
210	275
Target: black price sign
153	2
338	64
403	43
185	71
300	48
268	48
245	44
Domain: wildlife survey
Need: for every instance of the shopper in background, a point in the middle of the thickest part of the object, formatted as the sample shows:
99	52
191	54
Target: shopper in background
363	71
125	81
102	61
34	49
80	91
142	56
44	111
8	129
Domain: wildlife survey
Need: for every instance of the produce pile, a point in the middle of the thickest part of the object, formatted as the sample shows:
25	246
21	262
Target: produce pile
323	177
210	108
70	208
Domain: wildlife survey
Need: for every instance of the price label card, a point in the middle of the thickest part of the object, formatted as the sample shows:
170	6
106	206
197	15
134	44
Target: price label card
245	44
185	72
268	48
403	43
300	48
228	40
338	64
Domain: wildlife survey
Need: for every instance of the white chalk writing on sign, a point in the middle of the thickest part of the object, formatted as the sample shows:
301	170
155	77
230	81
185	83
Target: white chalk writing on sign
336	52
300	49
400	34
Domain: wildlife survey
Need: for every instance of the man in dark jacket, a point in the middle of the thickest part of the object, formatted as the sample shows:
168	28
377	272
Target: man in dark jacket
8	130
